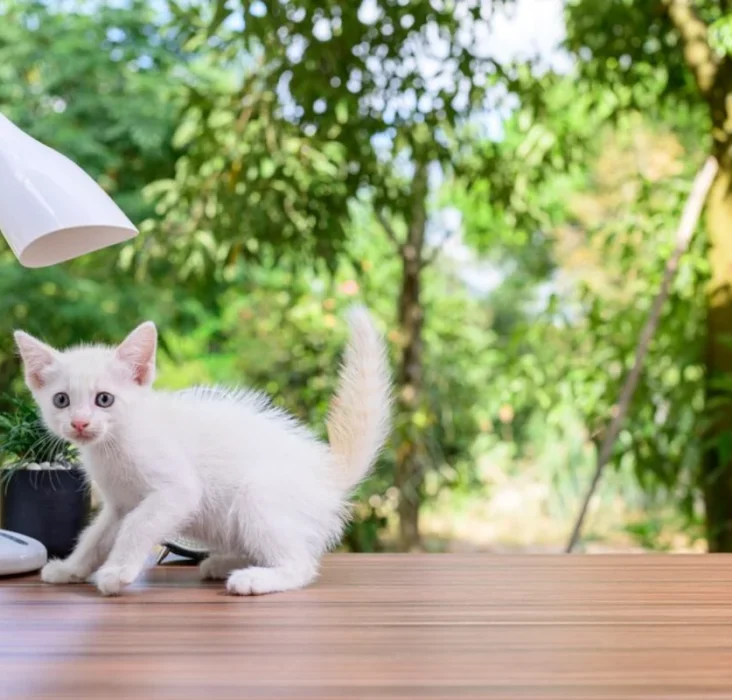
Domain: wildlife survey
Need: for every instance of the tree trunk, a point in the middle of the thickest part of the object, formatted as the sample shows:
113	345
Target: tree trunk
713	75
717	462
409	476
717	466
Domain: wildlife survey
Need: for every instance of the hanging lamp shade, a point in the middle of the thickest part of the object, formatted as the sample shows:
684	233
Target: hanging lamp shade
50	209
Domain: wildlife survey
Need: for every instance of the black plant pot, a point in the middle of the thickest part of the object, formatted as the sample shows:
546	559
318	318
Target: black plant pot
50	505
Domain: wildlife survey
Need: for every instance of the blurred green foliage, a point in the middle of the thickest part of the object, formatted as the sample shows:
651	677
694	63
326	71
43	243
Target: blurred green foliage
24	439
101	85
101	82
286	158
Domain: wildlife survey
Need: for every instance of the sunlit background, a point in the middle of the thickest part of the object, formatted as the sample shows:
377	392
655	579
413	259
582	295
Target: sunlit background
499	181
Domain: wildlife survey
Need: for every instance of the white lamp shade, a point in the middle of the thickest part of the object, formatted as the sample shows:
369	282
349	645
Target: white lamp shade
50	209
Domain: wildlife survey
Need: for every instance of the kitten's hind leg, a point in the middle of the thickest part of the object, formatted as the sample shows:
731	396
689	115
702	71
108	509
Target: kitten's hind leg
258	580
217	567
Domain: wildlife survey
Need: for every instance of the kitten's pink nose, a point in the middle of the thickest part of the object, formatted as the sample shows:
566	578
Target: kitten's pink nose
79	424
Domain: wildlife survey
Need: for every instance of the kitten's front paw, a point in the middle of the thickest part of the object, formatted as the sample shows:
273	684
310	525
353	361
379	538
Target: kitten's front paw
112	579
59	571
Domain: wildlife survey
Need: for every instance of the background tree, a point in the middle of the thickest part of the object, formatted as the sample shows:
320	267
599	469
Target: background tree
670	46
662	56
324	106
665	61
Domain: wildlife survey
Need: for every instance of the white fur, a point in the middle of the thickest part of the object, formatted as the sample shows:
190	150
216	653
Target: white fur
223	467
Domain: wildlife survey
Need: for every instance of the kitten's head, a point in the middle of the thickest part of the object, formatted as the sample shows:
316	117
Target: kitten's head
84	392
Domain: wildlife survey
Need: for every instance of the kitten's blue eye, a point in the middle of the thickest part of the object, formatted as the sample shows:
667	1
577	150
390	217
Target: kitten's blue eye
61	400
104	399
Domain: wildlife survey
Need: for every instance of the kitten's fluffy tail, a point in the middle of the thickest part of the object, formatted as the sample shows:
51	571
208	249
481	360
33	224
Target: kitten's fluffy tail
359	419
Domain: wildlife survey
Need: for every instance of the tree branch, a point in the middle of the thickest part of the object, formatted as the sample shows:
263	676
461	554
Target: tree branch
436	250
389	230
695	42
687	225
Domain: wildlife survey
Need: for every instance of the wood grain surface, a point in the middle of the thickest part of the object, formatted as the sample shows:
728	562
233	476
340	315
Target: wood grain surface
386	626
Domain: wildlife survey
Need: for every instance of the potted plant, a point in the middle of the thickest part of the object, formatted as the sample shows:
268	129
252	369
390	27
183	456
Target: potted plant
42	490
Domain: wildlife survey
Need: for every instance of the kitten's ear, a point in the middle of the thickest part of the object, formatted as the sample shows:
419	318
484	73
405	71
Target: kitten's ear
137	351
37	358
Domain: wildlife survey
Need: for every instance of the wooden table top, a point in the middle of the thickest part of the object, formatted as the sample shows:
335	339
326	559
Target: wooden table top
386	626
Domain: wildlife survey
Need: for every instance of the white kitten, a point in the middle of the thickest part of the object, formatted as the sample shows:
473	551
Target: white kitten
225	468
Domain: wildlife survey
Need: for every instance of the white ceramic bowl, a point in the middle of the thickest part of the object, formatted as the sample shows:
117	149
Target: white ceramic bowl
20	554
